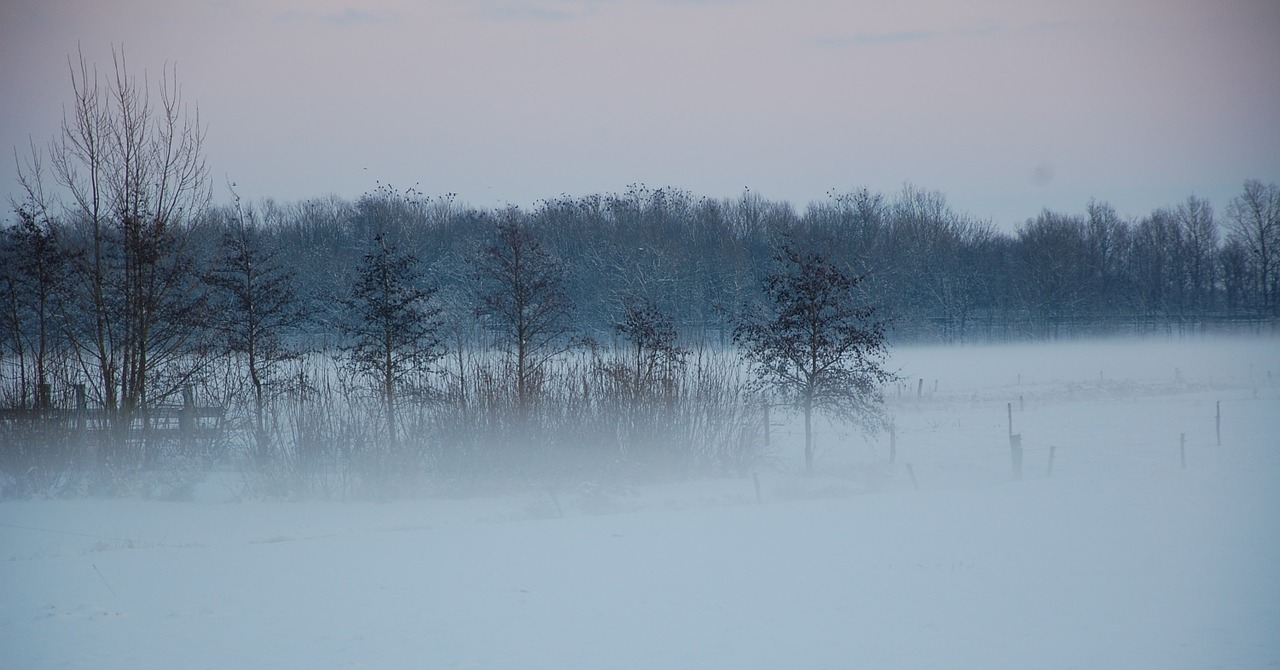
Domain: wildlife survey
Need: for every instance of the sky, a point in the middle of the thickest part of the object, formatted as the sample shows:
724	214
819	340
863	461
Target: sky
1008	107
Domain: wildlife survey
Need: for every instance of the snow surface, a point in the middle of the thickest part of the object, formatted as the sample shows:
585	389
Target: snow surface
1121	559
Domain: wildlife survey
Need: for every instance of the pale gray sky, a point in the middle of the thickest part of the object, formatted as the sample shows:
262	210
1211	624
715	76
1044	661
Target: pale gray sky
1007	106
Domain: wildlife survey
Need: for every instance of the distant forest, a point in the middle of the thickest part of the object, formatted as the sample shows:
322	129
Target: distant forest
937	274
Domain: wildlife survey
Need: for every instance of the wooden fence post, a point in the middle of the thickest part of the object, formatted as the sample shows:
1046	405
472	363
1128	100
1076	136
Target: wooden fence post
82	404
187	420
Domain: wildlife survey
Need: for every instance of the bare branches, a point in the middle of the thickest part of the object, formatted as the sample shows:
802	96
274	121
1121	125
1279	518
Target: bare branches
522	286
815	345
135	172
1254	219
393	327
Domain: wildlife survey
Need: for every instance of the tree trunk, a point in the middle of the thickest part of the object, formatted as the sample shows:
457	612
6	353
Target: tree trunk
389	392
808	436
259	423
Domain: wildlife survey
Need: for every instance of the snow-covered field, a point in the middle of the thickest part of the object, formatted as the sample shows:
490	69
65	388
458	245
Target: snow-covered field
1121	558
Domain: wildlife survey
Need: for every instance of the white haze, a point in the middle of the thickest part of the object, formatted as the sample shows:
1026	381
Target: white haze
1121	559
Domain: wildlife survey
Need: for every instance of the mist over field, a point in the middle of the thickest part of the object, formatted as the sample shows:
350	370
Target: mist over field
364	348
1147	542
1030	422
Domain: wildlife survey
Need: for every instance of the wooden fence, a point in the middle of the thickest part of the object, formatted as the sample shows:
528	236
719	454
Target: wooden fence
184	421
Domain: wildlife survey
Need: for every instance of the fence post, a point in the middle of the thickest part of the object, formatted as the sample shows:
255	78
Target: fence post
893	443
186	420
1010	420
82	404
1015	451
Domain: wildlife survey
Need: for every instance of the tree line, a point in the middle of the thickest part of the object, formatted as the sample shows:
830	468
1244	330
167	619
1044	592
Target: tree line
940	275
406	326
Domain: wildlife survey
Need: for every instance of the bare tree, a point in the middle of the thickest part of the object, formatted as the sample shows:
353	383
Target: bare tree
522	287
33	266
1200	248
816	345
392	326
1052	270
1157	266
1254	220
1106	241
256	305
1233	267
133	168
655	357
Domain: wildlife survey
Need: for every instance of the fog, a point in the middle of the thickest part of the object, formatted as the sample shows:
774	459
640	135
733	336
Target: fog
1147	542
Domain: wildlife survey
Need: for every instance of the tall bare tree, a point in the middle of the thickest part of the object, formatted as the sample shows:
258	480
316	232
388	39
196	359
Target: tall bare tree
1200	249
1254	220
131	162
1051	269
32	277
1106	241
